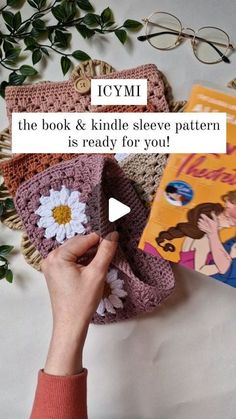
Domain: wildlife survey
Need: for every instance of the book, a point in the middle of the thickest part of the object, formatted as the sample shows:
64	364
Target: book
193	216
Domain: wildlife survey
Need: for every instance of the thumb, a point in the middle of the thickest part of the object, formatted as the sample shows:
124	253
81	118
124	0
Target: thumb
214	217
105	253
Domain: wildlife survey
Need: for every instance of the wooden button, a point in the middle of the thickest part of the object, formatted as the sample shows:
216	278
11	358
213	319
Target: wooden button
82	85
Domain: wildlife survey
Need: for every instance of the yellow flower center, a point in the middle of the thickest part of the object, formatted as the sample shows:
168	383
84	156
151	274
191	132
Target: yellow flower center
107	290
62	214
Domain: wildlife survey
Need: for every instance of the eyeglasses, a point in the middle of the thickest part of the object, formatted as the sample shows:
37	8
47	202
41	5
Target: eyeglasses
164	31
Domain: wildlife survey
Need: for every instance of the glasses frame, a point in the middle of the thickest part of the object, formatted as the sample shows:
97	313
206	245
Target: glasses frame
193	38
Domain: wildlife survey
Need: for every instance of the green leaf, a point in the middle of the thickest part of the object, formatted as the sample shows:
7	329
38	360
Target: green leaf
106	15
17	20
62	39
9	276
45	51
36	56
84	31
23	28
12	3
2	259
65	64
132	24
39	24
9	204
85	5
13	54
14	80
3	86
33	3
91	19
27	70
121	35
8	17
7	46
5	249
29	40
3	271
2	207
58	13
80	55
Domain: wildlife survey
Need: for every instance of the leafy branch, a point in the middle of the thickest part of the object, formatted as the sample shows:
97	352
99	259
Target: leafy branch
48	31
5	271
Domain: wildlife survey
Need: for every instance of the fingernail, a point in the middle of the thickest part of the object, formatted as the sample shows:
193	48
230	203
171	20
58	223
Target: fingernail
113	236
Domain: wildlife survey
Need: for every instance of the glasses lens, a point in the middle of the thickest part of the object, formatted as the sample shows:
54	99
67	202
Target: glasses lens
165	29
209	44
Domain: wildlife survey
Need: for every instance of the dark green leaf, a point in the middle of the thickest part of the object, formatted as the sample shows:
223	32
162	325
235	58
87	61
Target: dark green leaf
3	271
121	35
17	20
81	55
9	276
3	86
62	39
29	40
2	259
108	24
13	54
85	5
8	17
39	24
36	56
132	24
59	13
45	51
12	3
15	80
35	33
9	204
5	249
27	70
84	31
7	46
23	28
33	3
69	10
2	207
65	64
106	15
91	19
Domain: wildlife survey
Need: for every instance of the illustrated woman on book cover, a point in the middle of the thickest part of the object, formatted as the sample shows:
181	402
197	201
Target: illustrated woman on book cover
202	248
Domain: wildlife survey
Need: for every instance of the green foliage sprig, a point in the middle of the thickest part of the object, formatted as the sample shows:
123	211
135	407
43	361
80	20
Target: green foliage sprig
5	271
40	39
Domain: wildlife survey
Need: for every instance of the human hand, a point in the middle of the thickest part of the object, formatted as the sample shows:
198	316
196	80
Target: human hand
208	225
75	292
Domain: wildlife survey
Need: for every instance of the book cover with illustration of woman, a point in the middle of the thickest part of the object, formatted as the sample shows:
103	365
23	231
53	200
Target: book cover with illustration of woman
193	216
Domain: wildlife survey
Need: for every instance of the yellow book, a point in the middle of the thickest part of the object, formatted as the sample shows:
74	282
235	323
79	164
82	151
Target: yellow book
193	216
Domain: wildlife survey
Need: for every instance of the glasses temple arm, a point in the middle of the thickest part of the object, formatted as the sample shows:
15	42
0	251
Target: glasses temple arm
152	35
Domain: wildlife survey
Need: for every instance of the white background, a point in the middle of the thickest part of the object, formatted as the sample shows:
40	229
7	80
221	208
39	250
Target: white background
179	363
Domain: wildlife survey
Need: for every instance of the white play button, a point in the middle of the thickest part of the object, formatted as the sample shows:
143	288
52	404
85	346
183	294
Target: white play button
116	209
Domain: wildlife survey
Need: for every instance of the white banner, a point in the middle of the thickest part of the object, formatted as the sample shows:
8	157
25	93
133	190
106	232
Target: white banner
119	133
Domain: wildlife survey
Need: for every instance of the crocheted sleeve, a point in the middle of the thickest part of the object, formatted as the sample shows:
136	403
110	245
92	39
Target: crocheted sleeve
60	397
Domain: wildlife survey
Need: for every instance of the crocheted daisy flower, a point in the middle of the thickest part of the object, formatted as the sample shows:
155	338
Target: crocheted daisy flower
62	214
113	292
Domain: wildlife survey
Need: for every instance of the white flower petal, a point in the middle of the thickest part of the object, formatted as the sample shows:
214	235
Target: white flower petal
108	306
61	233
73	198
46	222
117	284
82	218
64	195
120	293
44	211
78	206
55	198
69	231
51	231
77	227
45	200
112	275
101	308
115	301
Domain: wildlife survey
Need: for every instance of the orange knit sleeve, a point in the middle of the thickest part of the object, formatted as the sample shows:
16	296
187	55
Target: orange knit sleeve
60	397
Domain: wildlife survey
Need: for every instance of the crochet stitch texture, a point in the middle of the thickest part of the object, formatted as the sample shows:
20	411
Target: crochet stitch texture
63	97
147	279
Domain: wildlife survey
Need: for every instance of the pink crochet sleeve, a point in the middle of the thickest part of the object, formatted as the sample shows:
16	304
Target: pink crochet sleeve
60	397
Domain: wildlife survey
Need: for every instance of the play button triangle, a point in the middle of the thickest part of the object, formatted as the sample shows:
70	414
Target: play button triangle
117	209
